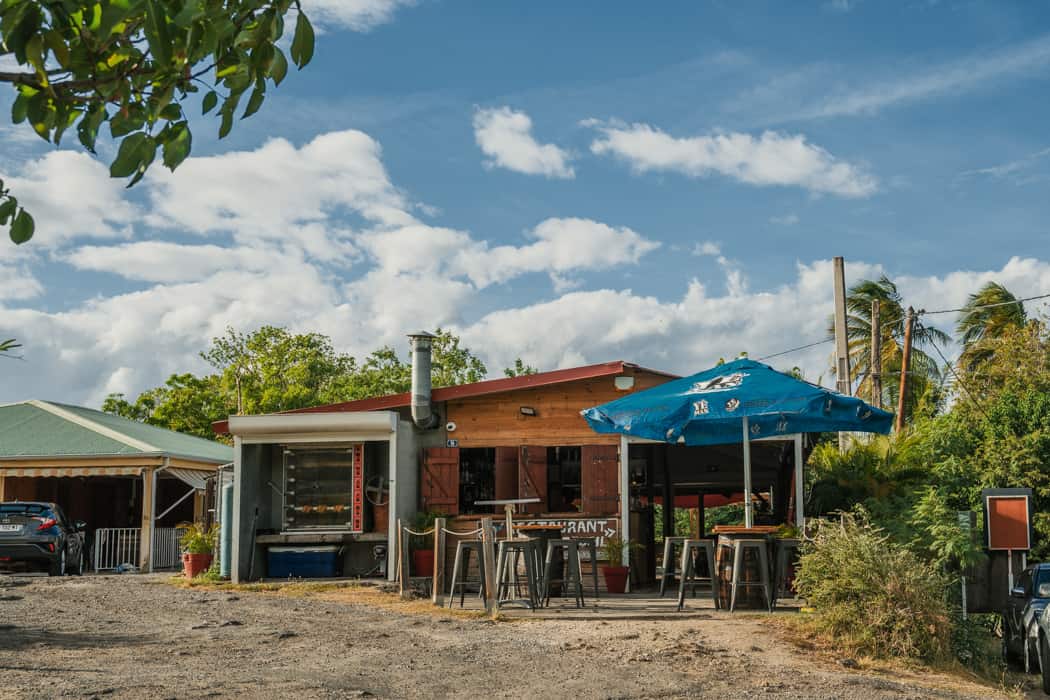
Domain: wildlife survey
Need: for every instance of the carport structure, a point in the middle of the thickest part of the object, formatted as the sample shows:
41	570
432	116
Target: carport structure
117	475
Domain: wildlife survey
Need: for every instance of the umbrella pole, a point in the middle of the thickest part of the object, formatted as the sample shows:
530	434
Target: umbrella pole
748	519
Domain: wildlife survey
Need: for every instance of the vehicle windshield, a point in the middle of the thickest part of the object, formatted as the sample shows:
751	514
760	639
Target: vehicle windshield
1041	576
33	510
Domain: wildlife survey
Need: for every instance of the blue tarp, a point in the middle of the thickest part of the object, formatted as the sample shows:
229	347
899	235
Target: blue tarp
708	408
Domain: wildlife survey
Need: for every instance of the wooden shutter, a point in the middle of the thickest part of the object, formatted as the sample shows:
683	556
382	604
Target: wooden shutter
600	478
506	474
439	487
532	477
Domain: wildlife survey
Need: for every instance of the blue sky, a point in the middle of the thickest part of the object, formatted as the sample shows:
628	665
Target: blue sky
565	182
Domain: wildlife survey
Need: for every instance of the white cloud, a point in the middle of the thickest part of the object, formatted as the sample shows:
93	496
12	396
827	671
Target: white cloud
770	159
70	194
371	282
915	83
506	137
784	220
707	248
358	15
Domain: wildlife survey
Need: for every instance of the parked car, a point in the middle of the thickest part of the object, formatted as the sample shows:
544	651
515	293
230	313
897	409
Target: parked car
1028	598
39	535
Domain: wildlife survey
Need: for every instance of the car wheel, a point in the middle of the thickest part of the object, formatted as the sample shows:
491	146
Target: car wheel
1044	659
58	567
1029	657
79	570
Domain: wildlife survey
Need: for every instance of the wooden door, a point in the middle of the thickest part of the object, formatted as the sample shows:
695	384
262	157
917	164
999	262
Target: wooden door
506	474
600	479
439	487
532	477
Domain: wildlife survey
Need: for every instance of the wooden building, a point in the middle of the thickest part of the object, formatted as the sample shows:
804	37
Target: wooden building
446	449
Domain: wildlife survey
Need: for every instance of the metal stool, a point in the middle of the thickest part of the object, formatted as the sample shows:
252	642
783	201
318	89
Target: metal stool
461	567
762	551
688	577
669	559
507	572
787	553
571	574
591	543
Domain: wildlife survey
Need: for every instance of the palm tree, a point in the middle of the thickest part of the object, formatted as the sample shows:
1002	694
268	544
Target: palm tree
924	369
987	314
9	345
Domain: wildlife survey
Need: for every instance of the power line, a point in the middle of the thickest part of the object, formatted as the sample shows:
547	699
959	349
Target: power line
983	306
800	347
958	379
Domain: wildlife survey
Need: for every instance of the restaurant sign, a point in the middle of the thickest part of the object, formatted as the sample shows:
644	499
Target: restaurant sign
578	527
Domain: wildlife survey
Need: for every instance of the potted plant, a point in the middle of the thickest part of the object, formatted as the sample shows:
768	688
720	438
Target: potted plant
422	547
615	574
197	546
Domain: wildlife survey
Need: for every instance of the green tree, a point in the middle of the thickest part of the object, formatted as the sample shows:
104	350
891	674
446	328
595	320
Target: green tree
9	345
272	369
987	315
520	369
925	370
137	65
186	403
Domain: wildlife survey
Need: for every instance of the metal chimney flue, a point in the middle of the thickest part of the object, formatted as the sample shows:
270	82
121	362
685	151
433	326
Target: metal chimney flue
423	414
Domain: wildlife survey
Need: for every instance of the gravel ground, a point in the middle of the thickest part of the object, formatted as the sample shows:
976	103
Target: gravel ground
135	636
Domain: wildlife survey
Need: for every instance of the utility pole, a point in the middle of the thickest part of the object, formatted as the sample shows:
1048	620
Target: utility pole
909	324
842	378
876	355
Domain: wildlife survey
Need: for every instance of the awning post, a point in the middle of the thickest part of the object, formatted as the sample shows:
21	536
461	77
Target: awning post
800	516
748	518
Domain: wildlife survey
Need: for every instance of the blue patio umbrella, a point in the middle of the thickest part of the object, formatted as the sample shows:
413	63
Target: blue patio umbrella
735	402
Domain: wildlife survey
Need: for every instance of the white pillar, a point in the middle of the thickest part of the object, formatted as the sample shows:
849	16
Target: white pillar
392	510
748	518
800	516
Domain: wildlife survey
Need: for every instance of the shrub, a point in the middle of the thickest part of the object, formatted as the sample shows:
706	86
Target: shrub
872	595
197	540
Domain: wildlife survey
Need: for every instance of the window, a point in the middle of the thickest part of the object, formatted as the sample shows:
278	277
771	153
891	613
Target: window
563	479
477	479
319	488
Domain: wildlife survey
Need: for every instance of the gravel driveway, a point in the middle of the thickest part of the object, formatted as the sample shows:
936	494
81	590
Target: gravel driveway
135	636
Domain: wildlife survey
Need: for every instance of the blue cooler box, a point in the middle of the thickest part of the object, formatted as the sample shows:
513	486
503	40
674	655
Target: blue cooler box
303	562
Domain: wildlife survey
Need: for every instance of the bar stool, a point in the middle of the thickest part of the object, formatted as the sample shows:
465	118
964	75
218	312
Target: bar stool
688	577
669	544
591	543
507	572
461	567
787	553
571	575
758	546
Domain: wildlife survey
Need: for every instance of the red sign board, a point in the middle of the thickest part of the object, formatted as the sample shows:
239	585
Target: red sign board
1007	520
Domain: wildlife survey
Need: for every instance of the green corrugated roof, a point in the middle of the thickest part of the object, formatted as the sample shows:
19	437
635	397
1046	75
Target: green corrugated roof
39	428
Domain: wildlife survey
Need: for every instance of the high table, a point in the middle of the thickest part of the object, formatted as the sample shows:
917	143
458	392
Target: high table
748	597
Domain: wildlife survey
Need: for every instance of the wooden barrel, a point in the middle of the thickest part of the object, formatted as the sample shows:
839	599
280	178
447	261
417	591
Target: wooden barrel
750	598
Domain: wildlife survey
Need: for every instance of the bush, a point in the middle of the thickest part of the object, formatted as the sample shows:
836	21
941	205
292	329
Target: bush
197	540
874	596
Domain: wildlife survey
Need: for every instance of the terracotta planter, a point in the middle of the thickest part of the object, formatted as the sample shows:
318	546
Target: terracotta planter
195	564
422	562
616	578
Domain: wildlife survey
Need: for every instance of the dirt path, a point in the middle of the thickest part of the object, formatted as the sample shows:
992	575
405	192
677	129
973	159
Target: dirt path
136	637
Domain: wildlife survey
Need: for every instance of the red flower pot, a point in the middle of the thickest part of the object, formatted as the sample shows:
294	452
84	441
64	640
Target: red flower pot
422	562
616	578
195	564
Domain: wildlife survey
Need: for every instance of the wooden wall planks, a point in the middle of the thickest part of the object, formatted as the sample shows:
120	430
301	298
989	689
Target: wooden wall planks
496	419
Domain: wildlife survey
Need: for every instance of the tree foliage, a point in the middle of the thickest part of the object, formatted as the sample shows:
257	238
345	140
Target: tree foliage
925	375
272	369
520	369
988	314
137	66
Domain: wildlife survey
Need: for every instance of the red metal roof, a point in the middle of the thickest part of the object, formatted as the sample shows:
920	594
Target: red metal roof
489	386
